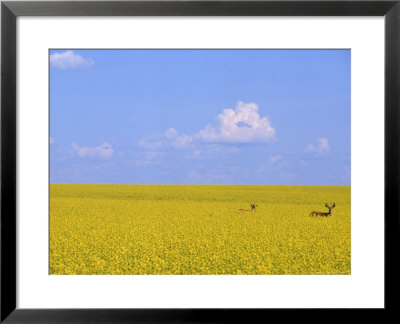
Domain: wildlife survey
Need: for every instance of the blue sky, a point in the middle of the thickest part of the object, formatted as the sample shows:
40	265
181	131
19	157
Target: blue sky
200	116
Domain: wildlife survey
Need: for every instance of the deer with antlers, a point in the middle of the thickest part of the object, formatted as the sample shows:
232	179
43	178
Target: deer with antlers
318	213
253	208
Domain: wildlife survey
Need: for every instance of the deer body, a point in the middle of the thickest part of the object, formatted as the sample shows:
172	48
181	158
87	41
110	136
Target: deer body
318	213
253	208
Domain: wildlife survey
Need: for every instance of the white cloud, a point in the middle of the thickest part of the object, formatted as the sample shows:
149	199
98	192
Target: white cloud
170	138
240	125
303	163
322	147
171	133
152	142
52	141
104	151
69	60
275	158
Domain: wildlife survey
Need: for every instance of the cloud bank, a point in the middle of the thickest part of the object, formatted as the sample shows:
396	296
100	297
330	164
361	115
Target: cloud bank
104	151
240	125
322	147
169	139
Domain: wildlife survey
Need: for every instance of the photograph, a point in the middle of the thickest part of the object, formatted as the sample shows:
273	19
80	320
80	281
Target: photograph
199	161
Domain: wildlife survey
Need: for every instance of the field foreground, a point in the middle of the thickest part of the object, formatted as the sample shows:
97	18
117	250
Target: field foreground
196	229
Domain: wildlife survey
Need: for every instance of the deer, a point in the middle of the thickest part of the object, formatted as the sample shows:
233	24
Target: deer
253	208
318	213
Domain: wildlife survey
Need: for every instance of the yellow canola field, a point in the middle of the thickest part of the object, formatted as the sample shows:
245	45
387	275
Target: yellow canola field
196	229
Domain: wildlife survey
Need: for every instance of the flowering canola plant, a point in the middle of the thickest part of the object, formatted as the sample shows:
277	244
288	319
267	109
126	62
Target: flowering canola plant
197	229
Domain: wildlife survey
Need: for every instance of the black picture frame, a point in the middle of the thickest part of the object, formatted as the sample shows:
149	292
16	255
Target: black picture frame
10	10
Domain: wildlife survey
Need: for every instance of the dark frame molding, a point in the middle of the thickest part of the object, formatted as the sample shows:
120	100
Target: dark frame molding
10	10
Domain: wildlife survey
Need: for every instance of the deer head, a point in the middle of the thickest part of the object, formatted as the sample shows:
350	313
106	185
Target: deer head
330	207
